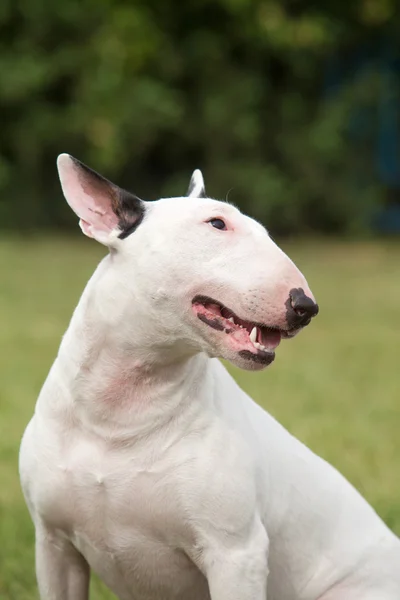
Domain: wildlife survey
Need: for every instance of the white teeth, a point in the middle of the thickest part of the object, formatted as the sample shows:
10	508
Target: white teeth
253	338
253	335
260	346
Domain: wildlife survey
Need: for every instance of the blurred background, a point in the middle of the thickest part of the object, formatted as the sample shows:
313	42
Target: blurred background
292	108
294	105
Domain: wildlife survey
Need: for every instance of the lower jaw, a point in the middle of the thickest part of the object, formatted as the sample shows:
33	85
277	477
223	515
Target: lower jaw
250	354
261	358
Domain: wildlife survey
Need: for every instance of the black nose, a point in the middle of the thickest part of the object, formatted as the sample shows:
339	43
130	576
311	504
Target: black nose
300	308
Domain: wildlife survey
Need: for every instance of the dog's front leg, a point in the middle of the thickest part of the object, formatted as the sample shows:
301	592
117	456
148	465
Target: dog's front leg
62	572
238	572
238	578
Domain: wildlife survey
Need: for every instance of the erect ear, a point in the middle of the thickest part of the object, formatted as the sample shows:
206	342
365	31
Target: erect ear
196	186
105	211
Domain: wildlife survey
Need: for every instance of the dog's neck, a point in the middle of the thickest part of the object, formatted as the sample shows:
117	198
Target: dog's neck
111	374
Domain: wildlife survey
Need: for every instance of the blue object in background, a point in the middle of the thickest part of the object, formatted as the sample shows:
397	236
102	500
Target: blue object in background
383	131
388	220
389	136
389	121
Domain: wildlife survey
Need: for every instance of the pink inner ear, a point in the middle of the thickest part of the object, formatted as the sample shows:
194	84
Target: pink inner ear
90	198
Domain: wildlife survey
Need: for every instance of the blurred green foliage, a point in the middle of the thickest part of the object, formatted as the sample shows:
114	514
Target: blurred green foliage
146	90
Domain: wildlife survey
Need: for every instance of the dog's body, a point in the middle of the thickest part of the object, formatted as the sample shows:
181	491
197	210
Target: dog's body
147	463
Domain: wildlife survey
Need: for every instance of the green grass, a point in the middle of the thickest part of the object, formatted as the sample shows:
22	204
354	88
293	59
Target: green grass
336	386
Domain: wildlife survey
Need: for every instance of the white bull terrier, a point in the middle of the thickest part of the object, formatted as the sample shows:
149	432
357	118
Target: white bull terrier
145	461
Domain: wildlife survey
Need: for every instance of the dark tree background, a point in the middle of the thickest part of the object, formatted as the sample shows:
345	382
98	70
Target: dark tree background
276	101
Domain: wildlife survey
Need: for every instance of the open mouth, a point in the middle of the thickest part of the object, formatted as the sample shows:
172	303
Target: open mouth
254	341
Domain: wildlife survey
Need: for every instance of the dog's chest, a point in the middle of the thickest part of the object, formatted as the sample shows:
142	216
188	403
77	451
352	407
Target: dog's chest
122	513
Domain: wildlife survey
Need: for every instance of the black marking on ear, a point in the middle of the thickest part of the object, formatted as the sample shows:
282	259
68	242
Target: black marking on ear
192	187
88	173
128	207
201	194
130	212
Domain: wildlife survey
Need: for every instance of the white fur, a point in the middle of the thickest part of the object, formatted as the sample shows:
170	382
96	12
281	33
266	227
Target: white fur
146	462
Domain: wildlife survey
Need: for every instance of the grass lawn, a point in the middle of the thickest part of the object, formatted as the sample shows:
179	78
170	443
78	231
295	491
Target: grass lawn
336	386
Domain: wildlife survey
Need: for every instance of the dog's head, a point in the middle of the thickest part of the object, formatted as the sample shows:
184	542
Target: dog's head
206	277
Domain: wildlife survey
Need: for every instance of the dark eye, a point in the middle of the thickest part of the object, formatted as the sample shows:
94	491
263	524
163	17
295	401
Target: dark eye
218	223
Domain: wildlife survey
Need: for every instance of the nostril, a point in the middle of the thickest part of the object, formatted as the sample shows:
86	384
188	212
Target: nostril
299	311
301	304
